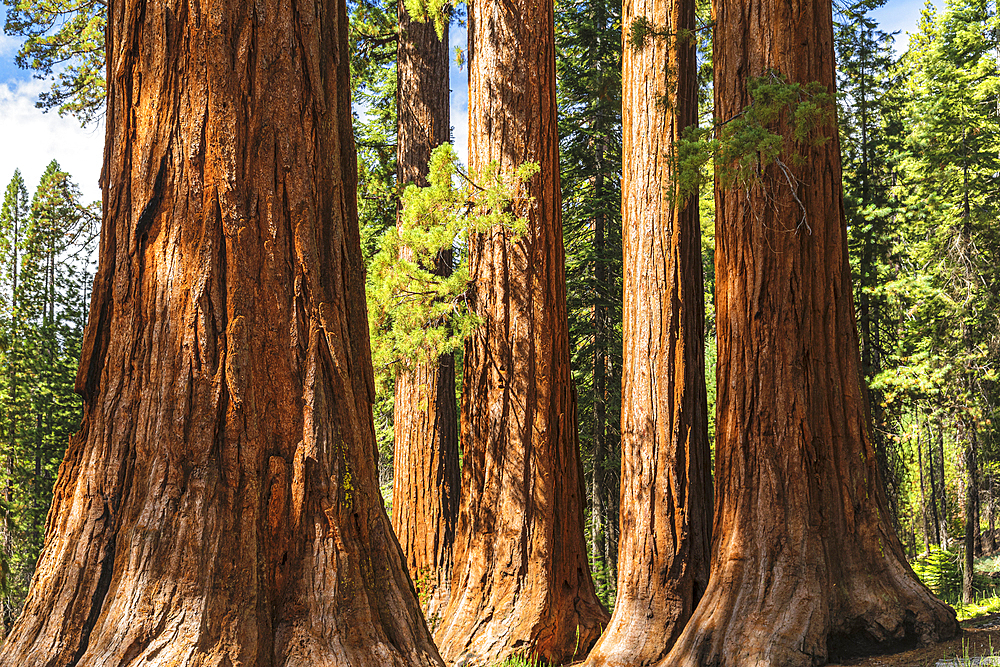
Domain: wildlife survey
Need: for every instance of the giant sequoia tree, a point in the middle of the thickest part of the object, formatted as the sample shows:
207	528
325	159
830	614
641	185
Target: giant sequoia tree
805	562
218	505
521	580
666	462
425	465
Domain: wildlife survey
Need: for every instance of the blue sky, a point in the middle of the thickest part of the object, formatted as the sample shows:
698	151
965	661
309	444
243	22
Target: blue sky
901	15
29	139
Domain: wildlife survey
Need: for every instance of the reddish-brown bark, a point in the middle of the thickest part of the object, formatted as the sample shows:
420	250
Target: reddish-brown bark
666	498
521	583
805	561
426	477
219	504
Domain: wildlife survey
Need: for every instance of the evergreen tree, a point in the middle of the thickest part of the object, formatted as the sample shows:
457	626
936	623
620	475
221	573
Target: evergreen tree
46	252
64	41
522	584
588	66
373	42
948	341
14	219
373	38
871	136
219	503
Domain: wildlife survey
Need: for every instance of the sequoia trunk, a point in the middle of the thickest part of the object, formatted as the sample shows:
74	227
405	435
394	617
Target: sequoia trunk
805	561
425	465
521	583
219	505
666	510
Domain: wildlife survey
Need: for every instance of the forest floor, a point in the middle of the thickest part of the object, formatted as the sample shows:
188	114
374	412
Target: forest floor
980	637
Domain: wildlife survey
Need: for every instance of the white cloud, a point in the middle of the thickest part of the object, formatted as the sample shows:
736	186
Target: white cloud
30	139
8	45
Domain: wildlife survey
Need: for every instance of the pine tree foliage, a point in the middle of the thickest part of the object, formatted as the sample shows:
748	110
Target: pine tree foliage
373	36
921	147
588	66
950	171
436	11
64	40
870	108
415	314
46	248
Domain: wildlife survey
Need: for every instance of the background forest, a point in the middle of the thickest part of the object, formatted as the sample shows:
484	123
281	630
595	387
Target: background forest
920	138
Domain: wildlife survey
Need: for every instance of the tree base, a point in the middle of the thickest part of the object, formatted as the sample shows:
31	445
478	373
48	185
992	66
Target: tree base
785	621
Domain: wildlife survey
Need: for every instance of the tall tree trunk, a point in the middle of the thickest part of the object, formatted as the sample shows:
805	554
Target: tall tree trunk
426	471
601	542
522	582
971	516
599	510
943	491
805	560
991	517
934	493
923	493
219	504
666	461
978	521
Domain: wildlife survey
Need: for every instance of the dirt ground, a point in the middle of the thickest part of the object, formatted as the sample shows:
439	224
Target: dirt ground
980	637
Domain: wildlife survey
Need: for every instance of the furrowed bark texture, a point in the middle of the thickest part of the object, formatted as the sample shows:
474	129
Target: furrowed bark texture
666	508
522	583
805	561
219	505
426	477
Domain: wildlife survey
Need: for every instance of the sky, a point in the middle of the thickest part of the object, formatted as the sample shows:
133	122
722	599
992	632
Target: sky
30	139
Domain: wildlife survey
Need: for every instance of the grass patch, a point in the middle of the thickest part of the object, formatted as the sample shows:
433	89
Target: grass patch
983	605
522	661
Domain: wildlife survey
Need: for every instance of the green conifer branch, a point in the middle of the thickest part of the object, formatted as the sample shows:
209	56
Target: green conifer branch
741	146
438	11
417	314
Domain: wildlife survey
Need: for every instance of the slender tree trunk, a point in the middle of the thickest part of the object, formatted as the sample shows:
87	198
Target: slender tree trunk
943	490
599	510
971	517
805	561
977	508
522	583
13	361
666	460
923	494
219	504
991	517
610	547
601	542
934	493
426	477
